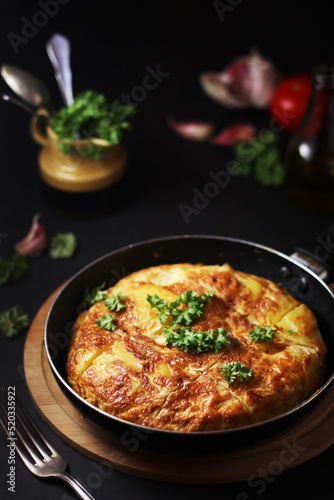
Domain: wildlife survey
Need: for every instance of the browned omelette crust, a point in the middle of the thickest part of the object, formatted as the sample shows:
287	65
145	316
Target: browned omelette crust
131	373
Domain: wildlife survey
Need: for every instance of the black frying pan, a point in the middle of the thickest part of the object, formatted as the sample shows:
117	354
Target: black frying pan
248	257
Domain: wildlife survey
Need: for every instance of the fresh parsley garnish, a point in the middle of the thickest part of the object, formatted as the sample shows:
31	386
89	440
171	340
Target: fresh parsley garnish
187	339
13	320
93	295
62	245
233	369
292	332
91	116
192	306
183	310
265	333
260	158
114	303
107	322
13	268
161	305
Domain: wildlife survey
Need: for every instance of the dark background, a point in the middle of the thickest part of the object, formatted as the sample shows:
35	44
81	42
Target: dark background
112	45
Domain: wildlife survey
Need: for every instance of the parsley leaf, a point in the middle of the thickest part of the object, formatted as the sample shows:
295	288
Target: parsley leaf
13	268
292	332
194	306
160	304
260	158
106	322
233	369
114	302
265	333
93	295
187	339
91	116
19	265
13	320
63	245
5	271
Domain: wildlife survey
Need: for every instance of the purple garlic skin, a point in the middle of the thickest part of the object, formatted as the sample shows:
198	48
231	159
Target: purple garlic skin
249	81
36	240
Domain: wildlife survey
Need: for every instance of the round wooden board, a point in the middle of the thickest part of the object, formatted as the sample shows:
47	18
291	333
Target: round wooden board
311	435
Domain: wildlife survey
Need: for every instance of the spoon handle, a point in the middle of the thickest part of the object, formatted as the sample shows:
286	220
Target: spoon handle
12	99
58	49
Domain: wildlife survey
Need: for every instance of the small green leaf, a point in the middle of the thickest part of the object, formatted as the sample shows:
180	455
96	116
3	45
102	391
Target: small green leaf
93	295
63	245
261	159
161	305
194	307
19	266
5	271
187	339
265	333
114	303
13	269
233	369
13	320
106	322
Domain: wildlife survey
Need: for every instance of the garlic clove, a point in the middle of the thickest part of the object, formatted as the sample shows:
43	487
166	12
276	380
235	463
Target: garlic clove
35	241
249	81
193	131
237	132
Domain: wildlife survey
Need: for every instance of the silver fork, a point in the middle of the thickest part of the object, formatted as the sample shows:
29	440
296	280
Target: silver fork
47	464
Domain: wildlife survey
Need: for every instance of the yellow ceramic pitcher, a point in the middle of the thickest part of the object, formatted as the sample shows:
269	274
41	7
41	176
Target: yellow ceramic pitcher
76	173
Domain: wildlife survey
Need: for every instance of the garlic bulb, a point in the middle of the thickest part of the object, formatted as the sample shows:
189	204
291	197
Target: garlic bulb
249	81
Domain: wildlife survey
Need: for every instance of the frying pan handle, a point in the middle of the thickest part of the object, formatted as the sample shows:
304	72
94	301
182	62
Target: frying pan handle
318	254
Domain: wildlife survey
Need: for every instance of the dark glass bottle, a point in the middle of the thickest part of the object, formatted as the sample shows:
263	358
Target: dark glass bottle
310	154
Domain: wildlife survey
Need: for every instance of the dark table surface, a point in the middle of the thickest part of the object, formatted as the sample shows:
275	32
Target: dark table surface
113	44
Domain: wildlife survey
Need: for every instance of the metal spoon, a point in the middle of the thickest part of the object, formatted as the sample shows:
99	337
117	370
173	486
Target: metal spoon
58	49
21	104
27	86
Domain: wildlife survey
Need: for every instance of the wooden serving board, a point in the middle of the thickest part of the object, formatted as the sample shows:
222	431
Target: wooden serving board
311	435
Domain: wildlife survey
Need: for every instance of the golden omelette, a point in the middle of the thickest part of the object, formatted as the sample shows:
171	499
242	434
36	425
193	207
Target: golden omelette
131	372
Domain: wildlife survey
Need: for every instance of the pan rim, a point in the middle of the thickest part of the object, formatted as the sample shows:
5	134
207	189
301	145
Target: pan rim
225	432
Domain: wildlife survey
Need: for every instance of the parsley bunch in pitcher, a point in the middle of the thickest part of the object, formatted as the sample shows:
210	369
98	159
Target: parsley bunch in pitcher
91	117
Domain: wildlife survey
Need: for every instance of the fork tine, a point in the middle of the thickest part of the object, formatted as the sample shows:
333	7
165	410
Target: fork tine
19	450
19	435
51	466
41	436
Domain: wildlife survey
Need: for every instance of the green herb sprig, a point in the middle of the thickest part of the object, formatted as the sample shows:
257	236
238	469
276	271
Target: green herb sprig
93	295
183	311
233	369
265	333
62	245
192	307
260	158
13	320
107	322
114	303
13	268
187	339
91	116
